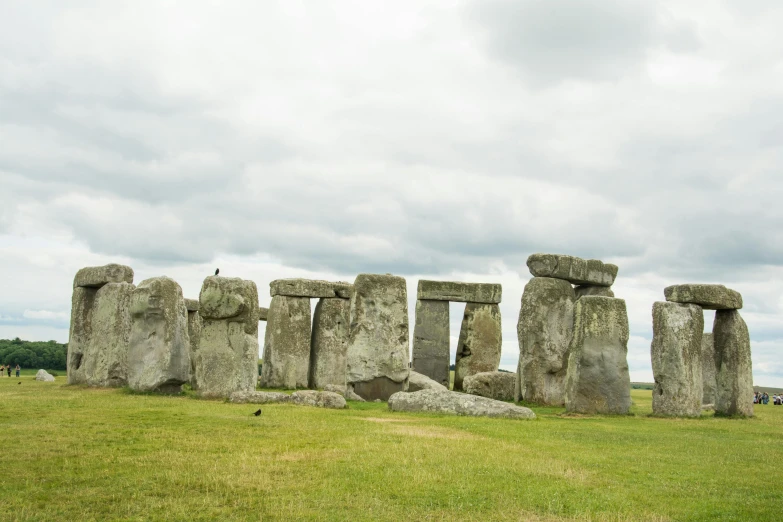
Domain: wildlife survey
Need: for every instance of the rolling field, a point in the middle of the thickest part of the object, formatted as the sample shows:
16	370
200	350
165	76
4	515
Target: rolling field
73	453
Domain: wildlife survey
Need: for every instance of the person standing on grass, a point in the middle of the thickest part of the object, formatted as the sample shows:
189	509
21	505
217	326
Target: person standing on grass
8	370
18	369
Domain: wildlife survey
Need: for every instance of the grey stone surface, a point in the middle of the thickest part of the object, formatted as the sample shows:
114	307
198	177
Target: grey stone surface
709	371
480	342
192	305
431	340
258	397
97	276
227	356
44	376
310	288
287	343
601	291
734	379
99	335
418	382
455	403
378	345
573	269
319	399
494	385
676	359
194	334
159	345
335	388
329	344
263	313
489	293
598	380
544	331
710	297
351	396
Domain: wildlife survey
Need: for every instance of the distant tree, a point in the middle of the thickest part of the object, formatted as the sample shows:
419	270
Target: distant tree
49	355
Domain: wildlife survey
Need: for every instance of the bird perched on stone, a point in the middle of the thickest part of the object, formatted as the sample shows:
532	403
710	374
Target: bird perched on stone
217	271
257	413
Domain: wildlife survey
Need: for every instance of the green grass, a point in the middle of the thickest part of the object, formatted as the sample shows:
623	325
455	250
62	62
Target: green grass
75	453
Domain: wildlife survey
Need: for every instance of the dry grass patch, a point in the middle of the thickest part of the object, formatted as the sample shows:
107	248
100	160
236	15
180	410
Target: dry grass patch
433	432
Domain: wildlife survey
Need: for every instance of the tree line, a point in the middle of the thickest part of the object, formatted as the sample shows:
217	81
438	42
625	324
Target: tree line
49	355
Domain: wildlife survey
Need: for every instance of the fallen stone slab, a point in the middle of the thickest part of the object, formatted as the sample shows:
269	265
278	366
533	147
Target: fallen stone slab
493	385
319	399
418	382
192	305
263	313
734	379
488	293
44	376
431	340
335	388
575	270
310	288
601	291
455	403
259	397
97	276
710	297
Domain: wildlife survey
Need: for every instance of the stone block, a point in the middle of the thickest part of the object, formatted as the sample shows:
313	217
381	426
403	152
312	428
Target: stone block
455	403
709	297
734	378
431	340
287	343
418	382
263	314
194	334
494	385
310	288
97	276
480	342
600	291
575	270
709	369
329	344
192	305
453	291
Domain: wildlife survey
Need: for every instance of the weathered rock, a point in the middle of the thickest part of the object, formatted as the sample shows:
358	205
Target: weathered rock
335	388
192	305
329	344
600	291
418	382
227	356
494	385
544	330
378	354
488	293
194	334
710	297
97	276
319	399
287	343
159	345
351	396
480	342
431	340
598	380
439	401
263	314
309	288
709	369
573	269
99	335
676	359
734	379
44	376
259	397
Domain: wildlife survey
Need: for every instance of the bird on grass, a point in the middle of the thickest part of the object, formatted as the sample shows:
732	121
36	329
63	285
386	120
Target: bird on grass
257	413
20	382
217	271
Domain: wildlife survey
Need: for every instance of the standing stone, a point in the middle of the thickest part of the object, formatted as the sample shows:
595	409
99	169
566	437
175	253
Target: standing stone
431	340
676	359
601	291
480	342
378	345
159	347
708	369
194	334
329	345
495	385
598	380
734	393
287	343
545	327
227	357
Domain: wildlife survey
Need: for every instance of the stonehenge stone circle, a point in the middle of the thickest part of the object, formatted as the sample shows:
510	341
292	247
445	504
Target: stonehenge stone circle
708	369
709	297
455	403
227	357
573	269
494	385
597	380
676	359
329	344
263	313
97	276
418	382
459	292
194	334
378	354
159	346
545	328
480	342
431	340
601	291
734	379
287	343
309	288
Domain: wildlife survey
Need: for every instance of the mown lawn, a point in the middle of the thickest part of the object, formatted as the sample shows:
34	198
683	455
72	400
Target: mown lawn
72	453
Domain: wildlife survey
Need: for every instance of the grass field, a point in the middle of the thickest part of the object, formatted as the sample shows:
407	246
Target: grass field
73	453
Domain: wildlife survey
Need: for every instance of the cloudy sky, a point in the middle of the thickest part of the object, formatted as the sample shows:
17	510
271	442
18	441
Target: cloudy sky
440	139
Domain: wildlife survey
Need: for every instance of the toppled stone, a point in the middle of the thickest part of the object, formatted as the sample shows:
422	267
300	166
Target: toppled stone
329	344
310	288
335	388
351	396
575	270
97	276
453	291
44	376
378	354
597	380
455	403
287	343
259	397
192	305
710	297
544	330
431	340
263	314
480	342
159	345
601	291
319	399
418	382
734	379
494	385
708	369
676	359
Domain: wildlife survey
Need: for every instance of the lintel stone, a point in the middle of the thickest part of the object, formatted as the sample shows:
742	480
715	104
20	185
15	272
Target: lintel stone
310	288
710	297
484	293
97	276
575	270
